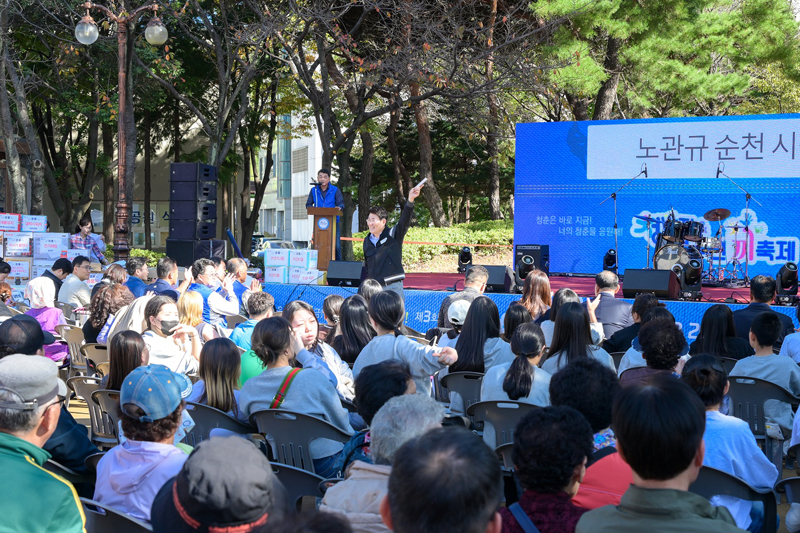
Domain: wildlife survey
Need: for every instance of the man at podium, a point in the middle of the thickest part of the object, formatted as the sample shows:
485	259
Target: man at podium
324	194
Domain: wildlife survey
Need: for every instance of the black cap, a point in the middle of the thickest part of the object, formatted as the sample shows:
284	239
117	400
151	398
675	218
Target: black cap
23	334
226	483
63	264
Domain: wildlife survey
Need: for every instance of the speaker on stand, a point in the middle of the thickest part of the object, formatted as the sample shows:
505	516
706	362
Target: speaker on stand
193	213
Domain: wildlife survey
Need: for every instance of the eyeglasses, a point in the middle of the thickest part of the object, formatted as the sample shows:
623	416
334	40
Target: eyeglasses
86	266
57	402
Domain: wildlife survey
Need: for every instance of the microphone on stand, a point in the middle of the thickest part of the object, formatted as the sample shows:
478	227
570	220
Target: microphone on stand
644	169
719	169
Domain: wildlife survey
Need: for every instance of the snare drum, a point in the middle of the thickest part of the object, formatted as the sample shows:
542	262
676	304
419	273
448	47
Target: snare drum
673	231
693	231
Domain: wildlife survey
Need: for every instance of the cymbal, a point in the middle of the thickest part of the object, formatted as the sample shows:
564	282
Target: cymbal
646	219
715	215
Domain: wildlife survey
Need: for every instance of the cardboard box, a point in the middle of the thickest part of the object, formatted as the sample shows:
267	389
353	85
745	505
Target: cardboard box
35	223
276	258
10	222
50	246
305	276
276	275
94	279
18	244
71	254
306	259
20	270
39	267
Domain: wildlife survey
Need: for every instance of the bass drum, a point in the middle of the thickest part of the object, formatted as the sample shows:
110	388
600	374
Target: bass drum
669	256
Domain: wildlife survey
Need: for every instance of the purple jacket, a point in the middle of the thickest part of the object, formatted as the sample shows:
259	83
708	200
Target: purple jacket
49	318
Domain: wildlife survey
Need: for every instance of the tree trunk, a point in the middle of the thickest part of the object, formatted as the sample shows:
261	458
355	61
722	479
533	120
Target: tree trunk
579	106
108	184
148	154
343	160
492	144
429	192
14	172
402	179
365	181
604	103
511	207
245	241
466	209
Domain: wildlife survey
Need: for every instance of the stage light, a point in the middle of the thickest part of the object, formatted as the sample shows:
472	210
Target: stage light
525	265
690	278
610	260
464	259
787	284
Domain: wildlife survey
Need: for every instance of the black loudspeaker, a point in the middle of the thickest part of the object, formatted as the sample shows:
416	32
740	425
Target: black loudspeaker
345	273
501	278
192	229
662	283
529	257
192	201
186	251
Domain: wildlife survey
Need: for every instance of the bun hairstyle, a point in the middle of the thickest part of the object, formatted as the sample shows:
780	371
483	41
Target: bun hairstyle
271	337
527	342
707	377
387	310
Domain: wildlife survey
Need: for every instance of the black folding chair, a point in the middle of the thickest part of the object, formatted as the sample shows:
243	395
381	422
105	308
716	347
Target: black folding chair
712	482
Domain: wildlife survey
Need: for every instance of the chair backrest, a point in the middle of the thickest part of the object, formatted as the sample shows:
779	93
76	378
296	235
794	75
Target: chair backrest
207	418
790	486
68	474
14	311
747	400
728	363
66	308
108	400
504	451
100	430
712	482
298	482
234	319
466	384
347	404
292	433
617	357
73	335
502	415
98	353
23	307
102	519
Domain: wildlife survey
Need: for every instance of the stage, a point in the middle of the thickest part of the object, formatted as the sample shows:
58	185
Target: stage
424	293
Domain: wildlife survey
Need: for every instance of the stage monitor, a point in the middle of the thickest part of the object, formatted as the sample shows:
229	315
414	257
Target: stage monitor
663	283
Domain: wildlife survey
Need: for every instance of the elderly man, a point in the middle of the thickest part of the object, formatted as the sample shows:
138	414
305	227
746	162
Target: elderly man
612	313
138	275
242	283
216	305
31	498
474	285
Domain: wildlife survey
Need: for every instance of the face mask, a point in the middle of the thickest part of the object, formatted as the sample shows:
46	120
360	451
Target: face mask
167	325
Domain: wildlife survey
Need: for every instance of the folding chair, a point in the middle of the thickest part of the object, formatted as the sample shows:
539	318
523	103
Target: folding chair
207	418
501	415
233	320
466	384
100	432
22	307
293	432
789	486
298	482
108	400
14	311
102	519
67	309
747	403
67	473
617	357
73	335
712	482
98	353
350	406
728	364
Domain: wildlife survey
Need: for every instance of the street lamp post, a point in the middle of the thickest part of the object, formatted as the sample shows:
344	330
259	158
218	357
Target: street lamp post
156	34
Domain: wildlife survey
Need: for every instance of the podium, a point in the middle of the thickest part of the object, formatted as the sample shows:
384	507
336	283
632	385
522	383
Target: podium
324	234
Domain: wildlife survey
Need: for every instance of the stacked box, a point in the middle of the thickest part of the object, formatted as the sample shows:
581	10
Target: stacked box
35	223
276	258
305	276
18	244
40	266
10	222
276	274
306	259
20	270
50	246
94	279
72	254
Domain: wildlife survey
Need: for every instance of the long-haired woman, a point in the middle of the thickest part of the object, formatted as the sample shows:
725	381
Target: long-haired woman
103	307
521	379
572	339
516	315
190	308
126	351
218	386
356	330
536	293
718	335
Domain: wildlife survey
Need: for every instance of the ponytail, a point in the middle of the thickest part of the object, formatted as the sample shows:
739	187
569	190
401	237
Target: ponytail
519	378
707	377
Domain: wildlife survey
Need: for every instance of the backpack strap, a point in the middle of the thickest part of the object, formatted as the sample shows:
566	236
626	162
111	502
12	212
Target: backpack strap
281	394
524	521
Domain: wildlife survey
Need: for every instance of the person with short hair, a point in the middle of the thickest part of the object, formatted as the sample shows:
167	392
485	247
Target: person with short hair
74	291
614	314
633	358
383	246
474	284
730	445
662	343
227	484
589	387
621	340
550	451
791	343
138	275
359	496
166	282
260	305
62	267
765	330
41	294
83	239
32	499
150	405
718	337
168	341
237	268
216	305
369	288
456	316
5	270
762	293
659	427
447	479
326	194
23	334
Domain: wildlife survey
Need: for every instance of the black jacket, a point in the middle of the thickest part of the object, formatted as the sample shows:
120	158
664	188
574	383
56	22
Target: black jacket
744	317
57	282
386	258
614	314
622	339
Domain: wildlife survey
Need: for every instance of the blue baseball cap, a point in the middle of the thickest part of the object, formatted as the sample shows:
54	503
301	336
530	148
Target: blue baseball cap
156	390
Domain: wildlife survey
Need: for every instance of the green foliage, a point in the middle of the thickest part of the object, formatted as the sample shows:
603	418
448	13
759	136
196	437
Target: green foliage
151	256
485	232
771	91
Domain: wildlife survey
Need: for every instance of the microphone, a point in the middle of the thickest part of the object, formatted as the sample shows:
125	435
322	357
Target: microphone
644	169
719	169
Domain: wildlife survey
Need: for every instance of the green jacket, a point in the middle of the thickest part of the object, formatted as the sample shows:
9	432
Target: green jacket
33	500
662	510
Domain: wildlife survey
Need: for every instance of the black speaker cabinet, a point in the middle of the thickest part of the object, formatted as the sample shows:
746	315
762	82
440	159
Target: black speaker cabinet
193	172
192	210
345	273
501	278
192	229
186	251
663	283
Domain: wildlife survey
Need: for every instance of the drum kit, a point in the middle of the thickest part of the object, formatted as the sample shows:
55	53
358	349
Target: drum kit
684	243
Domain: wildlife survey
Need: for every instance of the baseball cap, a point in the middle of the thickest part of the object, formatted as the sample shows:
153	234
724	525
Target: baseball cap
226	484
156	390
457	312
23	334
33	378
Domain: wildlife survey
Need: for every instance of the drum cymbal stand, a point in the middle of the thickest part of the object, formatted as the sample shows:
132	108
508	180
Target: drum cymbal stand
747	198
616	227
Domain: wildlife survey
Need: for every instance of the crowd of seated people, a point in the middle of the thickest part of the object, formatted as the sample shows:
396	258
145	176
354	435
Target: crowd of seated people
599	448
